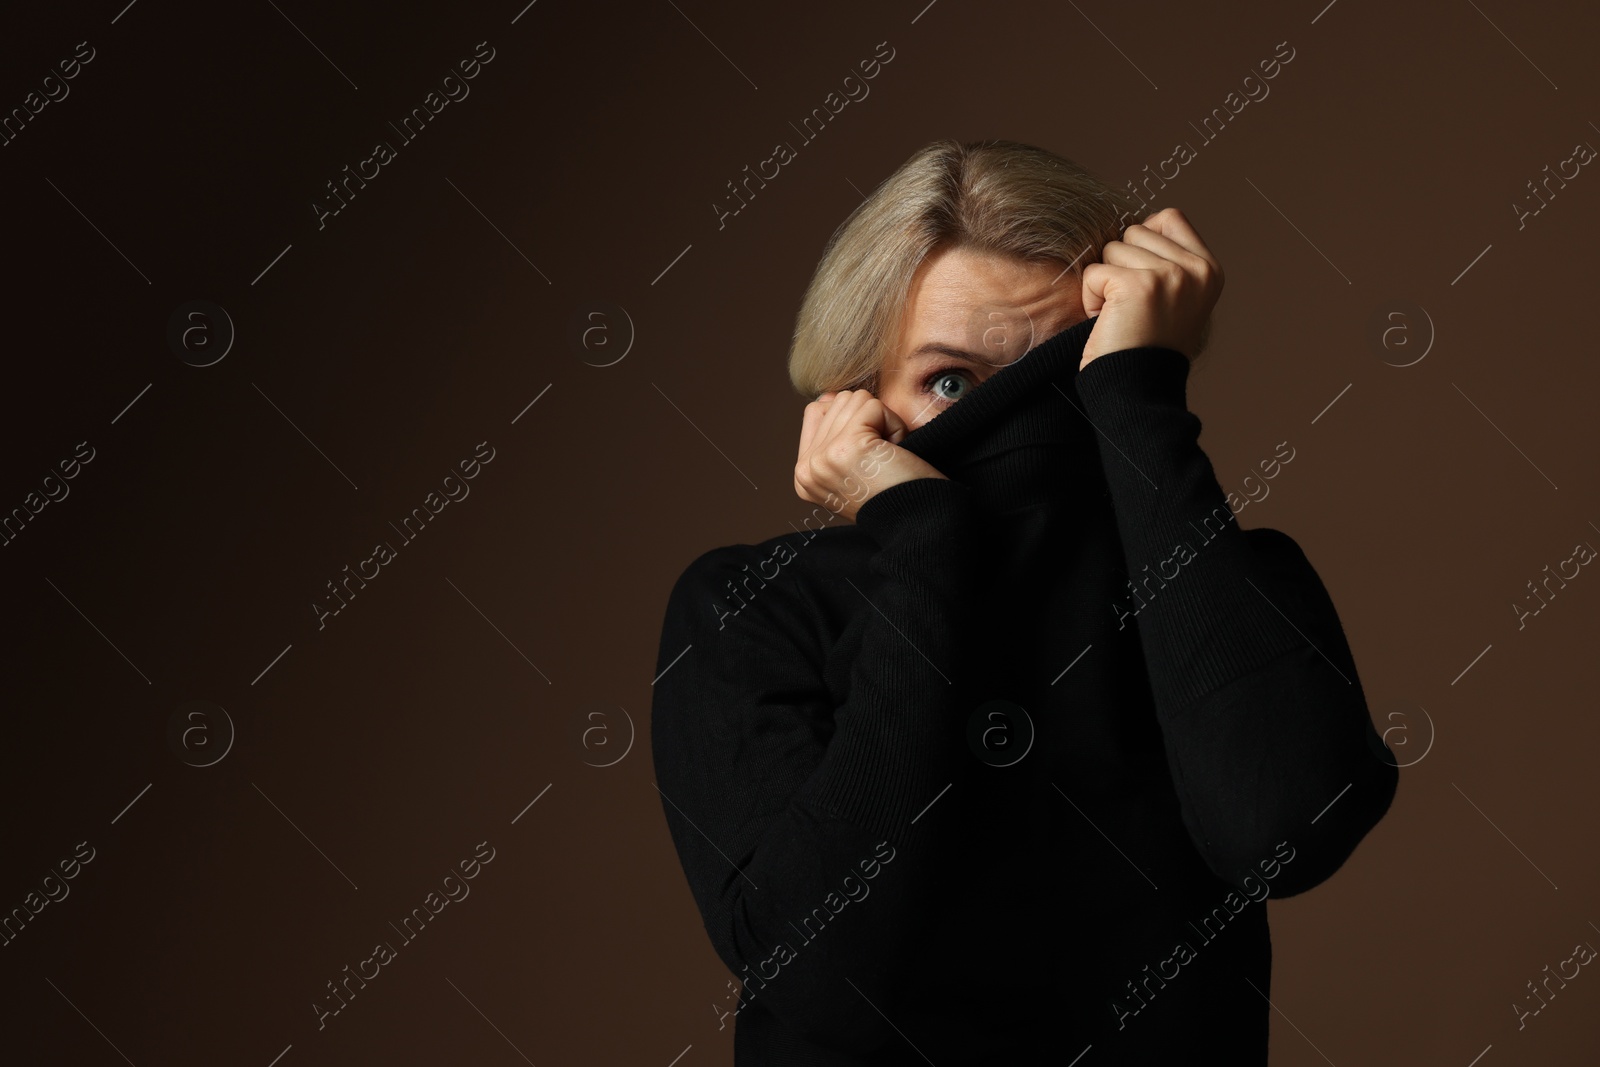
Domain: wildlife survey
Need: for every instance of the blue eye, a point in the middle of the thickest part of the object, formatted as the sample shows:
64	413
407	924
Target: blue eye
943	381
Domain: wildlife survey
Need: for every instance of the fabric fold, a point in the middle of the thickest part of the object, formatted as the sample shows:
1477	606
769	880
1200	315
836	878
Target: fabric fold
1020	438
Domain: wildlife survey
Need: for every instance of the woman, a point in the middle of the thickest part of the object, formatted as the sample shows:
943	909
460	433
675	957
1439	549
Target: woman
1004	768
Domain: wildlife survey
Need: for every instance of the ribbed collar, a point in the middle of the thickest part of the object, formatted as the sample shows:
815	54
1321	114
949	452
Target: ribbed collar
1020	437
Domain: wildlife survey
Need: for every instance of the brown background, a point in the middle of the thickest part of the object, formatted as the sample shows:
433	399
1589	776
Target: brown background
372	755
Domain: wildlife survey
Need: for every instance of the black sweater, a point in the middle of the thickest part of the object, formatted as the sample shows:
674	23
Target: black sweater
899	870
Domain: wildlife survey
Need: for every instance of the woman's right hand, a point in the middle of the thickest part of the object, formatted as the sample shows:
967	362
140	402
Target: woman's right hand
848	452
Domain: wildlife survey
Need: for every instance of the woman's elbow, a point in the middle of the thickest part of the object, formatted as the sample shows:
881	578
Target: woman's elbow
1324	844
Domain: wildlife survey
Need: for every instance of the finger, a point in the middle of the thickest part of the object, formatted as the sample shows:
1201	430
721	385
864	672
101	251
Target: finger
818	410
1095	278
809	421
1170	224
896	426
862	418
876	418
1142	238
1147	255
837	412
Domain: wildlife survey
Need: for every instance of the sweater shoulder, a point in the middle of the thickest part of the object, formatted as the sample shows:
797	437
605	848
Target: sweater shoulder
1270	539
806	555
783	572
761	613
1276	546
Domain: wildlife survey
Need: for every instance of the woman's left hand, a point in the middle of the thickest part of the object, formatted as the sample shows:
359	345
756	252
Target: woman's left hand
1156	286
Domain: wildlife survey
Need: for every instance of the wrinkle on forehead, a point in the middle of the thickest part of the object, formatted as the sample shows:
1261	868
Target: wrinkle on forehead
988	303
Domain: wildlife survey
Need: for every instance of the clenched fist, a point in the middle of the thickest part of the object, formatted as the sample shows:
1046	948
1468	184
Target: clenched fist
848	453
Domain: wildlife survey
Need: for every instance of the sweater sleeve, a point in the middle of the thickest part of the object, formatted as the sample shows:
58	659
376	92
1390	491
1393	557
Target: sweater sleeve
1265	724
799	824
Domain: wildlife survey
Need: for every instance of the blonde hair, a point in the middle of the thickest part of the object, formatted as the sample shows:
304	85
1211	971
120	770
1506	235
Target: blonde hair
992	196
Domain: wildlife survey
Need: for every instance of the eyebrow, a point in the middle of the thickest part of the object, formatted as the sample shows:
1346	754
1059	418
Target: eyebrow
934	348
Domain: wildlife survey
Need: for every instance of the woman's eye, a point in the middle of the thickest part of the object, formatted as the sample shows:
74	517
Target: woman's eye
949	385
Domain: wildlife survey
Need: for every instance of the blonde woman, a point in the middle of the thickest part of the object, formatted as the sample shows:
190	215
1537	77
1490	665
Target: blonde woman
997	760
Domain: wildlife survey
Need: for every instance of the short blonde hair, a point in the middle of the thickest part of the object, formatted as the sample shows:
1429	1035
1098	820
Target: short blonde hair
990	196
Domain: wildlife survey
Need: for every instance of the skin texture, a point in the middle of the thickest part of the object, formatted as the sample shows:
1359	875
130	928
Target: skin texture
994	308
1154	287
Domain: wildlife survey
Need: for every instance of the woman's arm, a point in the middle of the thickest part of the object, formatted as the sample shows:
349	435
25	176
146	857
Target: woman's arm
1262	712
783	807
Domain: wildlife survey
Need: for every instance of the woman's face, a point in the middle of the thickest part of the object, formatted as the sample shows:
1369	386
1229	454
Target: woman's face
969	314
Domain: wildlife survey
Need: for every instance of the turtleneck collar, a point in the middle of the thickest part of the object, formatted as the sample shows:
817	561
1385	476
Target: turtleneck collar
1020	438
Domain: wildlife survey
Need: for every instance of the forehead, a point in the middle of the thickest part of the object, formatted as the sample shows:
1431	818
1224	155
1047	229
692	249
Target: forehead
986	303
